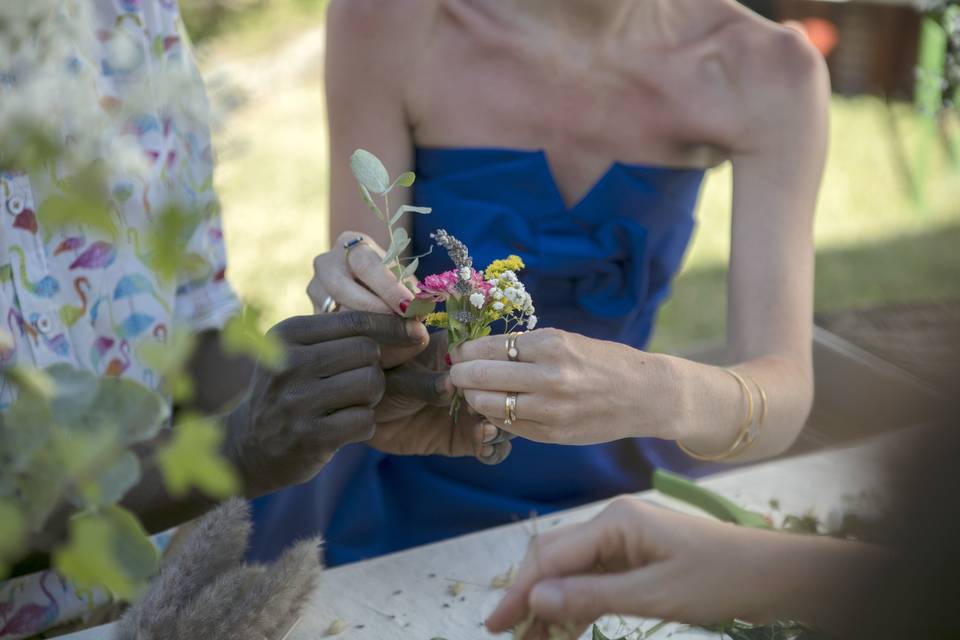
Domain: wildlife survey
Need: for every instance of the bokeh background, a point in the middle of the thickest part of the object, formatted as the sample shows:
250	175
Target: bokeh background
887	225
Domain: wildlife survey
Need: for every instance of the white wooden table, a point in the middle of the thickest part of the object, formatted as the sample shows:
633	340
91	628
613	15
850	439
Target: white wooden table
408	594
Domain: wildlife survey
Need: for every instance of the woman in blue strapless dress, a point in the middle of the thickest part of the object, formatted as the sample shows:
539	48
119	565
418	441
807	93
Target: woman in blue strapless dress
588	166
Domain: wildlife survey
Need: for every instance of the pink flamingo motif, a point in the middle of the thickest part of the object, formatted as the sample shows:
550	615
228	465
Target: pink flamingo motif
70	244
117	366
26	219
100	347
32	617
69	314
98	255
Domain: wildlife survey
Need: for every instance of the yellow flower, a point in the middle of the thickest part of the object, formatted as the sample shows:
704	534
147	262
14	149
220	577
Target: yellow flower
497	267
436	319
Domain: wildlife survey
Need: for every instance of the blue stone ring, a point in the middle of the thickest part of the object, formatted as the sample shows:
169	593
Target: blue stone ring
350	244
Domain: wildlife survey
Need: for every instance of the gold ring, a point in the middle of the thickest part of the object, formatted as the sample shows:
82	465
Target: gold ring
329	305
512	354
510	409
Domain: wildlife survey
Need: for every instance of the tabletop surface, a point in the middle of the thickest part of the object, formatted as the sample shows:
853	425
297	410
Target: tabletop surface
444	590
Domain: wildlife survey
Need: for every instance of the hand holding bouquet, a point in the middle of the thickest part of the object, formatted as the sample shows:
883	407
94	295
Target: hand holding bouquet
473	301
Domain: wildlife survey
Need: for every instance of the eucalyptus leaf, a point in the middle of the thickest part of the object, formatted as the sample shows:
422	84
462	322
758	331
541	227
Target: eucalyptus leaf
166	245
113	482
30	380
405	179
242	336
76	391
131	411
170	356
192	459
108	548
28	425
369	171
410	269
368	199
406	208
418	308
398	243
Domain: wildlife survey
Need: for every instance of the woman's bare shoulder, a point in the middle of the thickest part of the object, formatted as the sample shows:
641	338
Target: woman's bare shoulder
745	66
378	23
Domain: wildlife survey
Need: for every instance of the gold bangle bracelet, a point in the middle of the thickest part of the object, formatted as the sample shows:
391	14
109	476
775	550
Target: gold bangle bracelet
755	431
741	435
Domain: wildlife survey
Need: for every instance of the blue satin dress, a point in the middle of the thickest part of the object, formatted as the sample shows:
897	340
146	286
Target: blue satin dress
601	268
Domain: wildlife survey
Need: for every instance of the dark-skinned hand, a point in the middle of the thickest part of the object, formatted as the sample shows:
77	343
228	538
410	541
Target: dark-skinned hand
414	416
295	419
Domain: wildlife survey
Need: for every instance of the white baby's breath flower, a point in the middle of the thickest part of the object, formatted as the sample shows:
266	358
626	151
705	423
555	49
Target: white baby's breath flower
476	299
465	274
498	306
531	322
493	282
496	294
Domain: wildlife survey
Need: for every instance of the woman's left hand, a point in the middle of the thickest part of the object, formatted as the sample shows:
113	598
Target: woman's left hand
571	389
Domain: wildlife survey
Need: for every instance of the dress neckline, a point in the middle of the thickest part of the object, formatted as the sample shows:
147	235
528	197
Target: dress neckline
544	160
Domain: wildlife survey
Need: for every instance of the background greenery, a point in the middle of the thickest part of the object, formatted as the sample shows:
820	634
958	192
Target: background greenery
875	243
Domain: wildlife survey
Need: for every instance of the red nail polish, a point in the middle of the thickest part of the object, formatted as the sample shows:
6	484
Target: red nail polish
403	306
448	359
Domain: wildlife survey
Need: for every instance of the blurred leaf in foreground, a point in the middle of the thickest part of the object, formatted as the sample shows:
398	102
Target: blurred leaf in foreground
11	534
242	336
107	548
193	459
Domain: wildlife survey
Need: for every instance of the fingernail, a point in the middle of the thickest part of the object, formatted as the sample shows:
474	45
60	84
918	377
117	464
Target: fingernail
448	359
546	597
486	451
403	306
490	433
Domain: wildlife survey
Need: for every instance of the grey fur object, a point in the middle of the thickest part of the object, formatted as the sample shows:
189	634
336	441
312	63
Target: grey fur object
204	590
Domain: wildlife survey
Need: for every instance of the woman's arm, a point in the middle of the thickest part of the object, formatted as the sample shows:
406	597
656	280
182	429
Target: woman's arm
368	61
778	156
772	102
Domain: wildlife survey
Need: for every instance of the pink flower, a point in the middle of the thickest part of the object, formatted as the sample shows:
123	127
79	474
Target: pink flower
438	286
441	286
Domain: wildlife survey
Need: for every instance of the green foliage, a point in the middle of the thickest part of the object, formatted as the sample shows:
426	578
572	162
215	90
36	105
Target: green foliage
192	459
373	179
12	531
108	547
71	447
242	336
370	172
169	361
167	242
83	200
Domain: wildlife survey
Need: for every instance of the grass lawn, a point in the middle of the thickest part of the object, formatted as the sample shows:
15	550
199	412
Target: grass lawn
874	243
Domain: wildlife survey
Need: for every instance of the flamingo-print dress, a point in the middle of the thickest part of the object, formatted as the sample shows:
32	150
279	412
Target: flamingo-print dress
76	296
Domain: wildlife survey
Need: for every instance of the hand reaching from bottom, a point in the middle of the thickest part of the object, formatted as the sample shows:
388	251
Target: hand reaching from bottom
638	559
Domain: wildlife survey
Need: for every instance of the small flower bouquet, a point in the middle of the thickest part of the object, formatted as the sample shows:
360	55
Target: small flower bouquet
473	301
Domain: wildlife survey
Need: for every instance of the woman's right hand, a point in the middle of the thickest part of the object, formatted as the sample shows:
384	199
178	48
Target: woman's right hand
357	278
638	559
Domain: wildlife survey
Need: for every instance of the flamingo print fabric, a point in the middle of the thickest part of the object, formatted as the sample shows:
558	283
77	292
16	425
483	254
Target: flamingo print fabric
72	295
90	300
